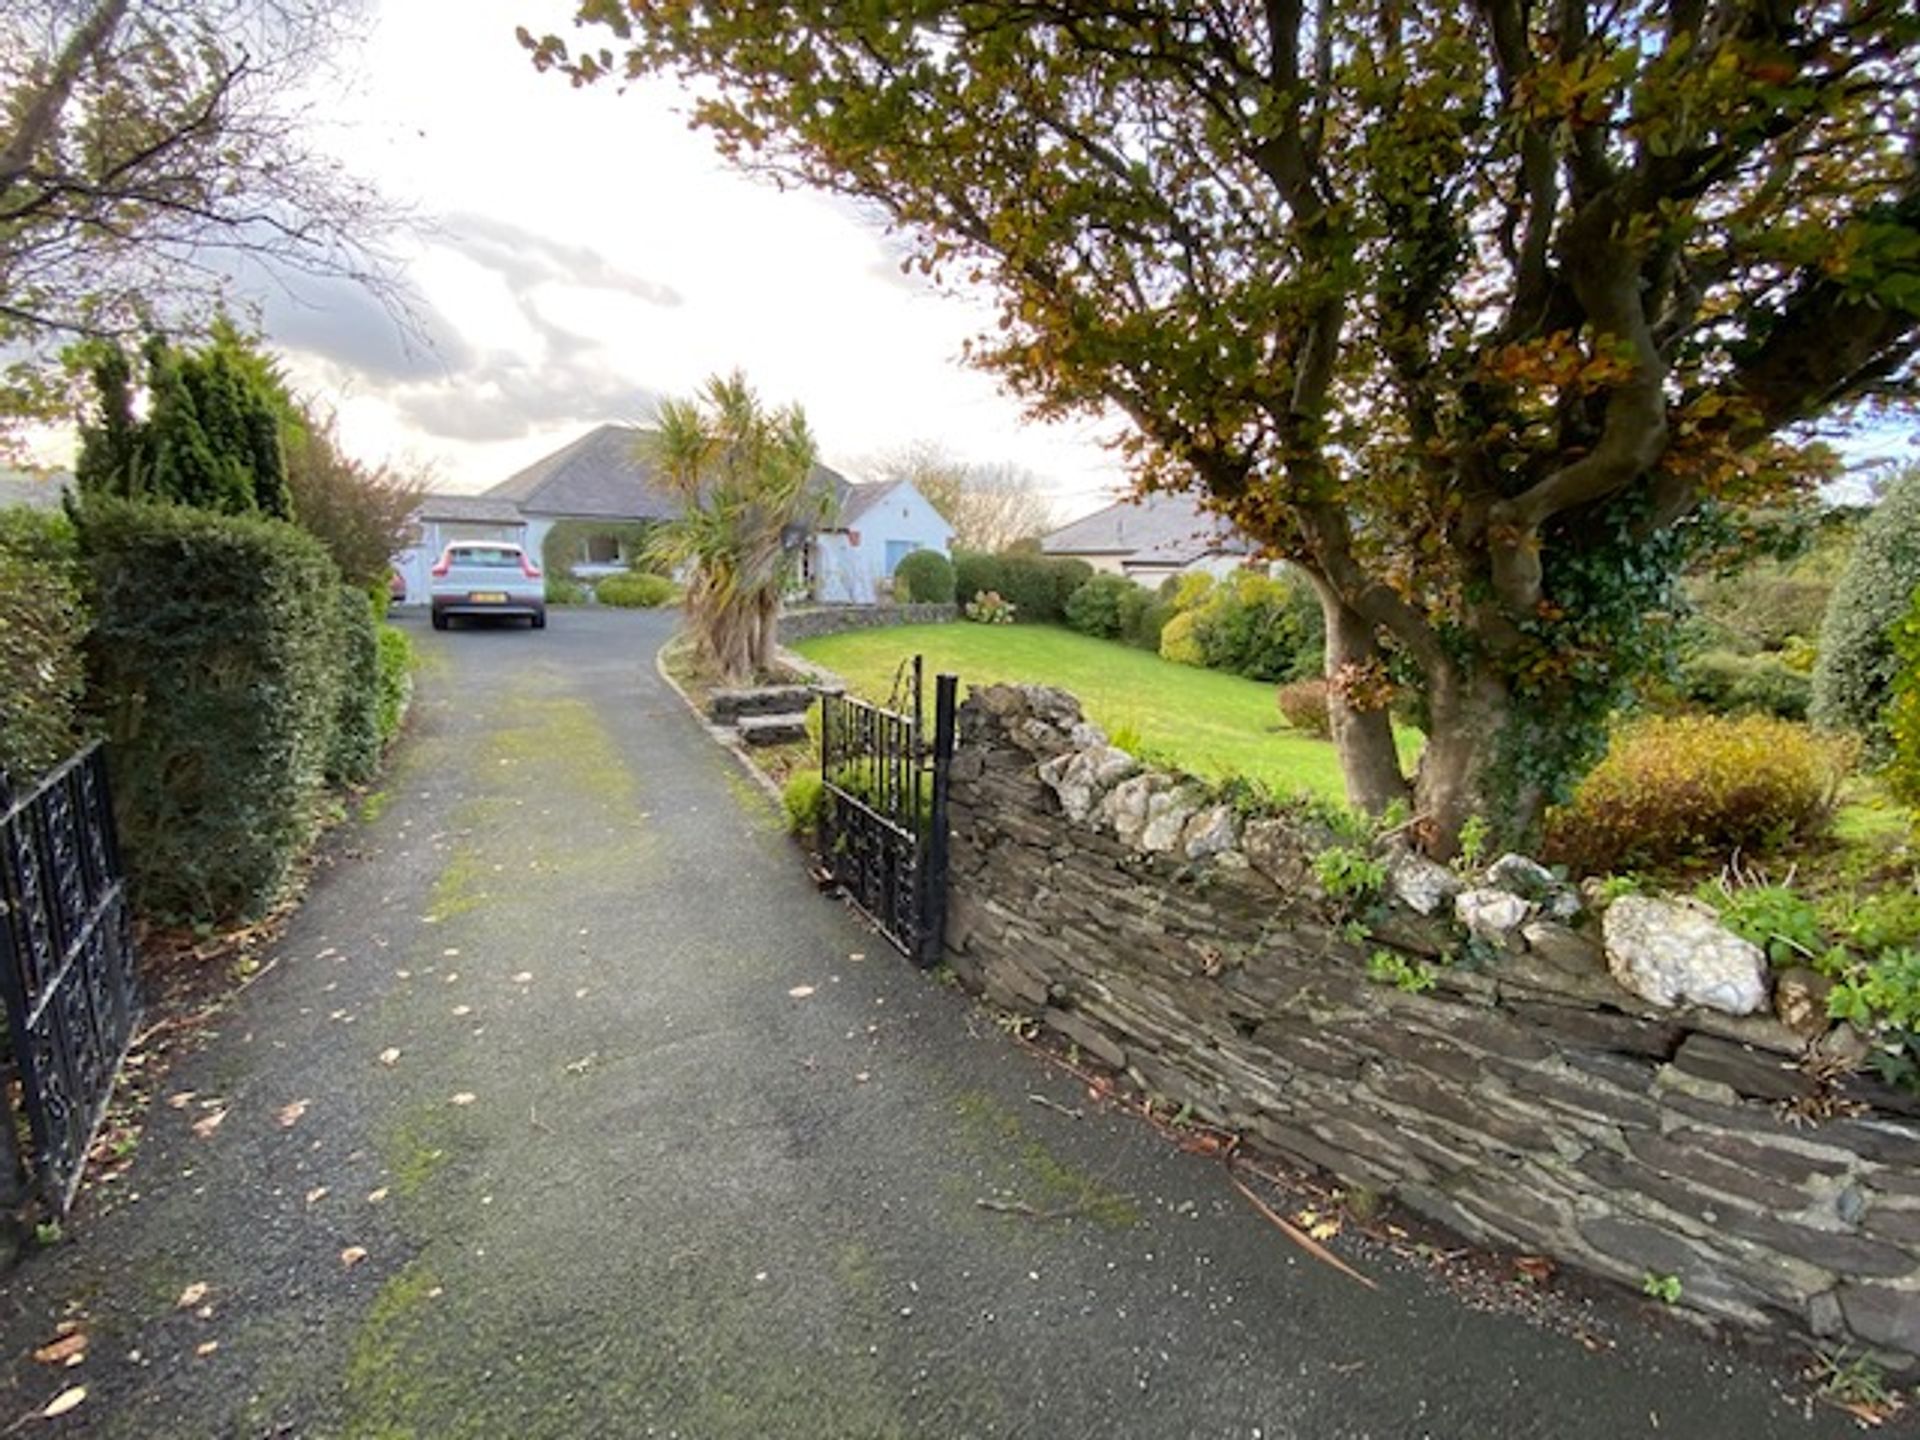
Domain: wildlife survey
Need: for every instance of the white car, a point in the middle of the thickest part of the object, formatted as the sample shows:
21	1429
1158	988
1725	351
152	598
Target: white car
486	577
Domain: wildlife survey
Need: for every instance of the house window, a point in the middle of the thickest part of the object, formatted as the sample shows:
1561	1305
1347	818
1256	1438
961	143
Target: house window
898	550
603	550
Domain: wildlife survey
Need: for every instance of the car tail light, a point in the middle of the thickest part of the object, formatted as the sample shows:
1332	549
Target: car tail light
444	564
531	570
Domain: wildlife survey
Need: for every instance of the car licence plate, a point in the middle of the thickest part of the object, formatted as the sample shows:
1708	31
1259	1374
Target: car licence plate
488	597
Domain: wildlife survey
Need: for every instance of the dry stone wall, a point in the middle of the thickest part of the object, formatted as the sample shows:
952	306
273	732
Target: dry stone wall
1527	1100
817	620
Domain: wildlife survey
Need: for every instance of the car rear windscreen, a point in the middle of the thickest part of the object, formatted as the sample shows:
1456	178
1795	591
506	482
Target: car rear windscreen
498	559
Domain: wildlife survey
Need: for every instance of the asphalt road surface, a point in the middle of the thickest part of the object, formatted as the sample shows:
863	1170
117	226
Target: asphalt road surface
613	1126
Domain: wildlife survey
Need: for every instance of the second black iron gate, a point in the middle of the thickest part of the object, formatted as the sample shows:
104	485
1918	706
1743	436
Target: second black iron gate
66	962
884	831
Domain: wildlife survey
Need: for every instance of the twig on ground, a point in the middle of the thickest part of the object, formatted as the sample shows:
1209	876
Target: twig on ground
1021	1207
1054	1105
533	1119
1299	1237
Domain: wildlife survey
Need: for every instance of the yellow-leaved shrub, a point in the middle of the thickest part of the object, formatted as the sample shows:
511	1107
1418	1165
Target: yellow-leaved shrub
1698	787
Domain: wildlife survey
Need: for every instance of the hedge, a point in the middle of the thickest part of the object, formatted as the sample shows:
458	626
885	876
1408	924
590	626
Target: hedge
395	689
216	679
635	590
924	578
1853	677
1037	585
1727	683
354	753
43	622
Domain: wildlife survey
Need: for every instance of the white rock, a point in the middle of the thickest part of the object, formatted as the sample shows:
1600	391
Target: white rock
1521	876
1208	833
1167	816
1088	736
1421	884
1080	777
1676	952
1125	808
1490	915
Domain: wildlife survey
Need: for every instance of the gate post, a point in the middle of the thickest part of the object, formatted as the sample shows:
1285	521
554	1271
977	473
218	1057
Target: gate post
933	874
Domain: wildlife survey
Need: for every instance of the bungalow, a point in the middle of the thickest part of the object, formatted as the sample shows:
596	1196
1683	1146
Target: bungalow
852	558
593	498
1150	538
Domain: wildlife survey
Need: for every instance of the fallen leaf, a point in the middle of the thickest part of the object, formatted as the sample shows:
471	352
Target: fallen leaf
861	1076
63	1402
525	977
207	1124
1537	1268
69	1349
580	994
857	955
205	1312
316	1195
374	1197
206	1348
353	1255
465	1097
390	1056
800	992
582	1065
404	974
180	1101
289	1115
450	952
463	1010
192	1295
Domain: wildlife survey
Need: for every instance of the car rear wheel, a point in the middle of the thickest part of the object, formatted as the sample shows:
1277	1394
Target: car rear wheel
540	621
439	620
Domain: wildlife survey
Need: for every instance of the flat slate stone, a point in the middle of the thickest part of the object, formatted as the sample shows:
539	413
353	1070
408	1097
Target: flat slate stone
772	729
727	706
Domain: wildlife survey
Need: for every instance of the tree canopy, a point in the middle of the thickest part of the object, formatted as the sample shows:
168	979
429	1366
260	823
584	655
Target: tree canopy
1483	314
149	151
989	506
213	435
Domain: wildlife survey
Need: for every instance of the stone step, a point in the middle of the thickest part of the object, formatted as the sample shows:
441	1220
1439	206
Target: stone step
772	729
726	706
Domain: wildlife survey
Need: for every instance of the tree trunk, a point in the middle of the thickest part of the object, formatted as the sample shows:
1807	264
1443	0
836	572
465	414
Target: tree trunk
1363	738
1470	709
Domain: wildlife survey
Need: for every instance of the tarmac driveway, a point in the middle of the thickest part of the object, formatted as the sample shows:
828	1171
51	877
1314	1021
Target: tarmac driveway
613	1126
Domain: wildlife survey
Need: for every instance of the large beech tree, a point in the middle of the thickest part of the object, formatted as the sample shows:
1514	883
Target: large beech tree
1484	314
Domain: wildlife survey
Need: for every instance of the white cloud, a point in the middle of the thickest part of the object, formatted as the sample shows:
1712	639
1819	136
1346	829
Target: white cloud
590	253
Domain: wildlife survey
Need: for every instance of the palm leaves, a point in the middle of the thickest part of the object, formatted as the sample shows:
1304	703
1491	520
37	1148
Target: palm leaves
744	477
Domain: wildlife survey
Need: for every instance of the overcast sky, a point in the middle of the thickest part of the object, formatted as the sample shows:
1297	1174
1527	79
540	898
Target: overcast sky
588	253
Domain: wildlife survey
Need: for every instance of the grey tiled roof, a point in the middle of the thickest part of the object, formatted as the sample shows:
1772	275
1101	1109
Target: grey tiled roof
600	476
857	500
604	476
469	509
1150	523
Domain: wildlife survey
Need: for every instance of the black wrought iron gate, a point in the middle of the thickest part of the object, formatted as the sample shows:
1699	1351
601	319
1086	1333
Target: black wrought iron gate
884	833
66	961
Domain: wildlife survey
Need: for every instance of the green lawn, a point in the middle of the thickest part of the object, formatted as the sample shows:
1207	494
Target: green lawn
1200	720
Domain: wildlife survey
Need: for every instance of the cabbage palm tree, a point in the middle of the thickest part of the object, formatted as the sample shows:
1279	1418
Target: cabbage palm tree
744	477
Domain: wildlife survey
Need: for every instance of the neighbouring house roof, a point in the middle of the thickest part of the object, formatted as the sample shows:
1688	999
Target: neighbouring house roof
1178	554
469	510
34	489
1157	523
